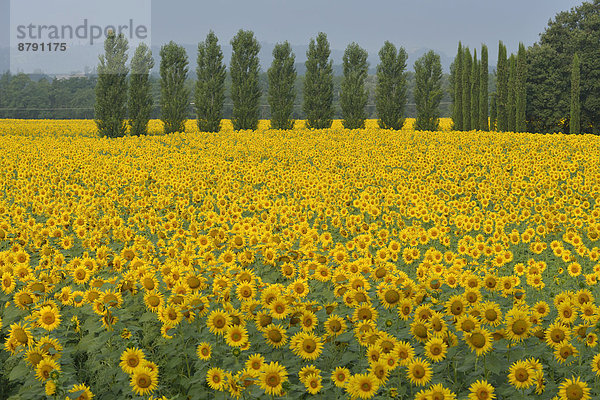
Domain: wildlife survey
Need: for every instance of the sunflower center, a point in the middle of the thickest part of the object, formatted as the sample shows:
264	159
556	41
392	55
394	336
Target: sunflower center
309	345
482	394
273	380
21	335
365	387
335	326
491	315
457	307
236	337
48	318
421	331
133	362
144	381
519	327
566	352
436	350
154	301
574	392
522	375
418	371
392	296
478	340
219	322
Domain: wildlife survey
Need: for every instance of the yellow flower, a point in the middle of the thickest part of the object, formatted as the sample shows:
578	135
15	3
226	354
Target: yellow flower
272	377
215	377
131	359
204	351
481	390
521	375
144	380
339	376
574	389
363	386
419	371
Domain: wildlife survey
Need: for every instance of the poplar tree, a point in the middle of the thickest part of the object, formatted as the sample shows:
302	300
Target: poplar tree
457	112
521	90
354	96
245	90
502	88
318	84
475	92
140	96
210	84
428	91
483	90
111	89
511	103
466	95
174	95
390	92
282	92
575	114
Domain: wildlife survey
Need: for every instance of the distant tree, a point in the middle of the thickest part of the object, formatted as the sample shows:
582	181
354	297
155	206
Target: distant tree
483	90
209	95
282	90
140	98
390	92
475	92
466	97
111	89
521	90
493	112
354	96
318	84
457	109
511	103
502	88
175	96
428	91
574	120
245	89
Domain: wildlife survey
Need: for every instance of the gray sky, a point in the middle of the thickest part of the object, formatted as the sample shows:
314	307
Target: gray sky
435	24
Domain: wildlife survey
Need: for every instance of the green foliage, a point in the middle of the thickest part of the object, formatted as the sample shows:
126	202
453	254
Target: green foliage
209	95
140	97
475	92
245	90
354	96
318	84
483	90
575	112
521	90
428	91
390	92
174	99
511	103
466	94
502	89
457	80
493	111
111	89
282	90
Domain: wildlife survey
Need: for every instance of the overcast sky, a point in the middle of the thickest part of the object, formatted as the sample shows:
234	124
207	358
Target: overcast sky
432	24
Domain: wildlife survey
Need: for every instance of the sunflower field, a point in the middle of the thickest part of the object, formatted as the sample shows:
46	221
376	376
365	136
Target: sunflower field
325	264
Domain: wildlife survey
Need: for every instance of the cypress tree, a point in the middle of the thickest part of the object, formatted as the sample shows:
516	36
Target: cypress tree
111	88
245	90
493	111
511	104
210	84
521	90
457	112
318	84
466	96
390	92
475	92
282	92
174	95
575	114
502	89
354	96
140	97
483	90
428	91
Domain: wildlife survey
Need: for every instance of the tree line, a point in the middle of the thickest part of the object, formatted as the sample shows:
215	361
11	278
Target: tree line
114	110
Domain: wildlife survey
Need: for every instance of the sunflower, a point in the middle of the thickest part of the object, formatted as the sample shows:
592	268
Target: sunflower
218	321
379	370
574	389
556	333
275	335
335	325
564	350
21	334
438	391
272	377
215	377
517	325
418	371
279	308
50	346
49	318
34	355
306	345
566	313
236	336
363	386
254	364
481	390
479	341
45	367
435	349
404	352
204	351
455	306
23	299
313	384
308	320
86	393
419	331
8	283
131	359
144	380
521	375
491	313
339	376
